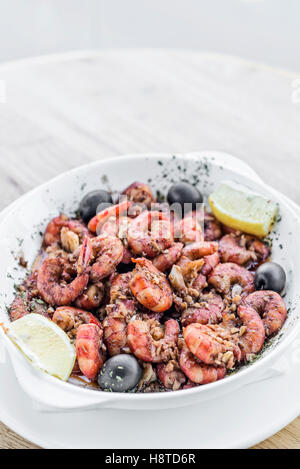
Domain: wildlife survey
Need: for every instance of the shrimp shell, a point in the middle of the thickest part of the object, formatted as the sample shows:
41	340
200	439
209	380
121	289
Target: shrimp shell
271	307
252	341
224	276
197	372
150	286
88	344
145	347
52	290
209	310
207	345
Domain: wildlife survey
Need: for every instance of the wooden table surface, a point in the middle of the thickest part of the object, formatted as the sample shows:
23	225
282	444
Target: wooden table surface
66	110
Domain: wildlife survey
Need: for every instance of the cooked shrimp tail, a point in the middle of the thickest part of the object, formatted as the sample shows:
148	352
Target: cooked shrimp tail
271	307
113	211
84	255
198	372
150	286
51	287
88	350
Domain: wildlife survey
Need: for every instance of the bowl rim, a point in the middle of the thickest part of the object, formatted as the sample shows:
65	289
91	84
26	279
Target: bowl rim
247	370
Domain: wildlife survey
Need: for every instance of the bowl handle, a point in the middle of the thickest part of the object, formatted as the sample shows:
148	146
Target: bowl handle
270	373
277	370
49	394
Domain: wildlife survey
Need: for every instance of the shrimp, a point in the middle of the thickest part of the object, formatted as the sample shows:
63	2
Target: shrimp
53	229
69	319
92	297
127	256
253	334
150	286
148	343
140	193
191	265
90	357
242	249
199	283
225	275
197	372
212	227
53	289
104	252
110	227
170	375
207	310
188	230
210	262
190	384
271	307
119	289
22	306
114	211
115	333
210	345
150	234
27	300
65	231
18	308
199	249
187	278
119	312
165	261
116	227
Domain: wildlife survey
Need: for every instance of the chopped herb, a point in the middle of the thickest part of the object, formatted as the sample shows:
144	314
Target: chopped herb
40	302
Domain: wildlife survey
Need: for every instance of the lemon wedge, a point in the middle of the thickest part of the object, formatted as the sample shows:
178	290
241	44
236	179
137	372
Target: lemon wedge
44	344
241	209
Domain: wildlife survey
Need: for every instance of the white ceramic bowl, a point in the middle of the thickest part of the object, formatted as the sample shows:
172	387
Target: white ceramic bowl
21	227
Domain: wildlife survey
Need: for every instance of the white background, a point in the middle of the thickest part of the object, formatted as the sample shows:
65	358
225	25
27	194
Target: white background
262	30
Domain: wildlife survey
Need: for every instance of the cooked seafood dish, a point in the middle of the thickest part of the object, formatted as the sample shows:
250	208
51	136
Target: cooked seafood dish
147	295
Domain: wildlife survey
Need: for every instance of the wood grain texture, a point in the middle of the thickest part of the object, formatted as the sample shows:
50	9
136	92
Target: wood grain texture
68	110
10	440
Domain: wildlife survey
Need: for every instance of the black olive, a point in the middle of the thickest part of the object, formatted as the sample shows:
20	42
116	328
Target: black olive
270	276
89	205
184	193
120	373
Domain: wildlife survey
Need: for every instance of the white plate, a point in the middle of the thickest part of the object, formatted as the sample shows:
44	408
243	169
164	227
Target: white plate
237	421
234	422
